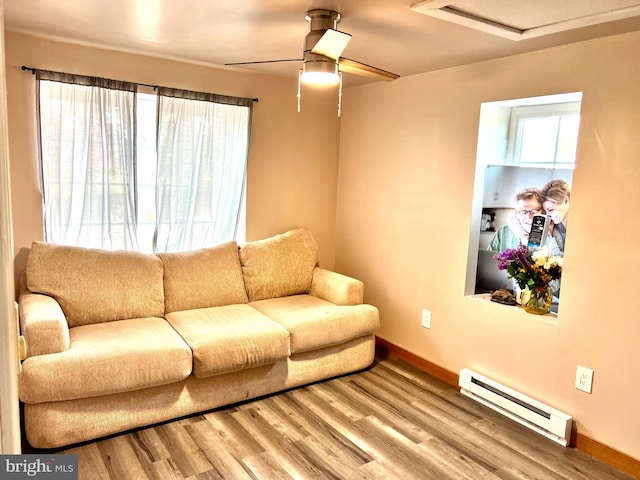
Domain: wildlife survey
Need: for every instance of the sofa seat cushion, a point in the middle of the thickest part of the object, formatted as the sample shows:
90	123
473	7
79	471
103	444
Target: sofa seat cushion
105	358
315	323
208	277
279	266
95	286
230	338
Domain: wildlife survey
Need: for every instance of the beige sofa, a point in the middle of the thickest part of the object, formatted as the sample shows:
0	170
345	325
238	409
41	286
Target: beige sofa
119	340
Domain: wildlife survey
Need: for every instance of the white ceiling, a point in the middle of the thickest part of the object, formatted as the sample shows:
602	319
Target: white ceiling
538	13
385	33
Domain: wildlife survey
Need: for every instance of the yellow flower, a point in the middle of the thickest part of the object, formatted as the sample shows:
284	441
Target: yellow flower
543	258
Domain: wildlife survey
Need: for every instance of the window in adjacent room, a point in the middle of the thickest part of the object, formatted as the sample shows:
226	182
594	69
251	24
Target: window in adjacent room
113	177
544	135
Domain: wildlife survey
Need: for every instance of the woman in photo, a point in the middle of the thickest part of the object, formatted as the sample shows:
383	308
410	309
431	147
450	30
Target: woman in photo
555	202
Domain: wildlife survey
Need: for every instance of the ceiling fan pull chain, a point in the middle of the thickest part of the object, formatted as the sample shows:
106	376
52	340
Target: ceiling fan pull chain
299	96
340	94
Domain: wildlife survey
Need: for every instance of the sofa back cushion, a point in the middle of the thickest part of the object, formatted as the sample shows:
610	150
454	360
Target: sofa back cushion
209	277
95	286
279	266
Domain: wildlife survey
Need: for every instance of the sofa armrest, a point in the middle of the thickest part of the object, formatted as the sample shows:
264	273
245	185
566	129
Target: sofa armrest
43	324
336	288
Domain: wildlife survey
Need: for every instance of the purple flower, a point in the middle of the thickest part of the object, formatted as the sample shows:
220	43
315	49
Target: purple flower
502	262
505	258
522	253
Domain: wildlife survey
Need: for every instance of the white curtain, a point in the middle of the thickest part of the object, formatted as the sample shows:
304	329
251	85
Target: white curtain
203	142
87	142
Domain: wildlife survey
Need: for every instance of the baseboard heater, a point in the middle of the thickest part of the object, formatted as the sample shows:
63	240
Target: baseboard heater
531	413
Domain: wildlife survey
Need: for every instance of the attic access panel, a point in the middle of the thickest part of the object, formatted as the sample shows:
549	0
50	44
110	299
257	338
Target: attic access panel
524	19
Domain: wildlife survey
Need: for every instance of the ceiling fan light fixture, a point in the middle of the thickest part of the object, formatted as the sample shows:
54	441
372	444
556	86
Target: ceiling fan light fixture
320	72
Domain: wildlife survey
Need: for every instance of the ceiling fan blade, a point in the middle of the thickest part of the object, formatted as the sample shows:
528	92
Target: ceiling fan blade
331	44
351	66
263	61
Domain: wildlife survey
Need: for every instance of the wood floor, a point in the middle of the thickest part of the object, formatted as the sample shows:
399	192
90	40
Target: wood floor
391	421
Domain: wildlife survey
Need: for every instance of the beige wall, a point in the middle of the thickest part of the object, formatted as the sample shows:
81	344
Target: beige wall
407	160
291	178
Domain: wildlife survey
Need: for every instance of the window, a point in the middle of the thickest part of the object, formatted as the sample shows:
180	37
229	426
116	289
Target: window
87	152
146	169
114	178
202	150
544	135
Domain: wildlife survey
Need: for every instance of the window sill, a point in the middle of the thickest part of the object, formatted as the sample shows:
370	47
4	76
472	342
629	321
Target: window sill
550	317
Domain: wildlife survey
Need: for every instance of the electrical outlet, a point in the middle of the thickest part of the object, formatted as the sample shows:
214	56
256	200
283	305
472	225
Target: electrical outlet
584	378
426	318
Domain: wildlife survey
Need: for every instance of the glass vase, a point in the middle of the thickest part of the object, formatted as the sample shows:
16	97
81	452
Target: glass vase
537	300
517	292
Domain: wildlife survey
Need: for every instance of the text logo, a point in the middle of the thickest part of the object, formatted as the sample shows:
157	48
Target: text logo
51	467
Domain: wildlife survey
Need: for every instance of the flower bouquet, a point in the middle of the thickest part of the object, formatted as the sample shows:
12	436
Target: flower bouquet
533	271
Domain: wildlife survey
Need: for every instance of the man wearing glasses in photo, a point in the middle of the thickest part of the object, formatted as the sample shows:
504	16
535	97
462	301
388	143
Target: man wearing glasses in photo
516	232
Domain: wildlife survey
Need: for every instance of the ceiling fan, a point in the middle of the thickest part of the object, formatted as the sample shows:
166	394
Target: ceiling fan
322	63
